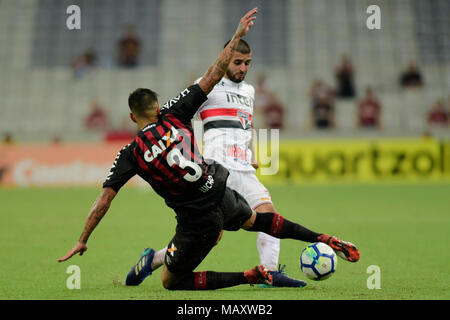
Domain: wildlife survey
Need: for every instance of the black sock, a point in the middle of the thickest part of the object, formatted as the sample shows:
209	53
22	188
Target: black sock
279	227
210	280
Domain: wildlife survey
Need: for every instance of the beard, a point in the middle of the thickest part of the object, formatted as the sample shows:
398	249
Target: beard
237	77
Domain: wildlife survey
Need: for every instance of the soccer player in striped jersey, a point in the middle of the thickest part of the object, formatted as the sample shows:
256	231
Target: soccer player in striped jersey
164	153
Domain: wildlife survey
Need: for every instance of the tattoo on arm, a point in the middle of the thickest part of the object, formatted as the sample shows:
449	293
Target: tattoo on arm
221	65
217	70
98	210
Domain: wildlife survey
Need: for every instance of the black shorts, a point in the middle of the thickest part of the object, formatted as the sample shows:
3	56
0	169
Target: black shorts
197	232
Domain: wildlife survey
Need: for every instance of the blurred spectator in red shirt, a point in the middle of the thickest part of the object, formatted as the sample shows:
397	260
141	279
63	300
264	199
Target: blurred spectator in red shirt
411	77
84	63
124	133
369	111
56	140
263	98
321	91
267	105
7	139
438	116
344	77
273	113
322	112
97	119
129	48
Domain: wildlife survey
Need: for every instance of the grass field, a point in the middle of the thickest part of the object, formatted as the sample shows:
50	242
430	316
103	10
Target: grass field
403	229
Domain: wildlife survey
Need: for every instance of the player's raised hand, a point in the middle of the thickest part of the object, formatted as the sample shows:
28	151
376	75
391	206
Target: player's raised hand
217	70
78	248
246	22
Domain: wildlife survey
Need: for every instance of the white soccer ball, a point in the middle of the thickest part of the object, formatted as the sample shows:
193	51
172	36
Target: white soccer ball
318	261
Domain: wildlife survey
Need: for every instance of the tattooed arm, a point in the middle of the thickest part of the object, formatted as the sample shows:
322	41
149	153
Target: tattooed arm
98	210
217	70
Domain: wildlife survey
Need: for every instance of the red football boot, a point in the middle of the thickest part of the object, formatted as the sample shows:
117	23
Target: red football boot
258	274
345	250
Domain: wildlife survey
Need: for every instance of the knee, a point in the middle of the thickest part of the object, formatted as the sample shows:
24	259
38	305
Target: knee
167	279
265	207
250	222
219	238
166	284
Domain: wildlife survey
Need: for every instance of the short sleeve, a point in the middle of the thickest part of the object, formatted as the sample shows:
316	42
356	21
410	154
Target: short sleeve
186	104
122	170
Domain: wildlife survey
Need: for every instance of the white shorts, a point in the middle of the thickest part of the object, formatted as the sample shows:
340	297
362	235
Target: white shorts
248	185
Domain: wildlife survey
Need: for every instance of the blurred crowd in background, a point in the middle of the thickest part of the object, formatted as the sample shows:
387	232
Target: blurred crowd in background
73	85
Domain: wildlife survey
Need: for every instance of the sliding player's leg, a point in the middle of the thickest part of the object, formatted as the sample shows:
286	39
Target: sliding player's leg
269	251
192	242
147	263
142	269
259	199
211	280
239	215
279	227
186	251
268	246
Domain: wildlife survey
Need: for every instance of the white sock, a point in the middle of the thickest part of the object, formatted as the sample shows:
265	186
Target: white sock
158	259
269	250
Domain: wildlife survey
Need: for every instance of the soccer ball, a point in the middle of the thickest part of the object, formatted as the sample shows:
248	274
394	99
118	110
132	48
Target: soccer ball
318	261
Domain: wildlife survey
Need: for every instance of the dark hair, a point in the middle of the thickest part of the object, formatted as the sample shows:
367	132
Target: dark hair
243	46
142	100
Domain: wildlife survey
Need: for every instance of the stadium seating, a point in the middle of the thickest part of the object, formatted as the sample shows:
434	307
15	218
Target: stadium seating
294	41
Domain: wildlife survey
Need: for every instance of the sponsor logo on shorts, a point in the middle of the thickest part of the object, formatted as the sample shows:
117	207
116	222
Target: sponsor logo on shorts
172	249
208	184
237	153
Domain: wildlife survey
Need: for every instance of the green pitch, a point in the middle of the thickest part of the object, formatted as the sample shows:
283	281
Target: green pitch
402	229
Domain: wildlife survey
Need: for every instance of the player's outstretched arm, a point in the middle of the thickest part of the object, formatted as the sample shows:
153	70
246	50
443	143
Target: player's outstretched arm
98	210
217	70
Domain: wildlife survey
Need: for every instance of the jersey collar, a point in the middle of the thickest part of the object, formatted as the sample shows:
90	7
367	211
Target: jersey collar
230	83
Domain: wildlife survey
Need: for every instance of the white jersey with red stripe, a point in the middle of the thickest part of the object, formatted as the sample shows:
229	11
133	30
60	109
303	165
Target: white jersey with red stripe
226	117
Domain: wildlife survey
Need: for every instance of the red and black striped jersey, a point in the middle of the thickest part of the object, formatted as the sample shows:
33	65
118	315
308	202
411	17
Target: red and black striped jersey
165	154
